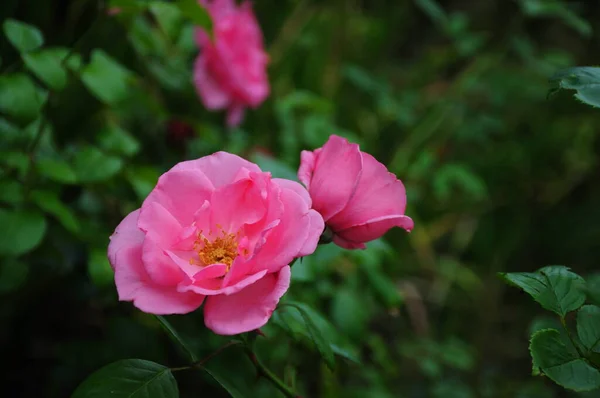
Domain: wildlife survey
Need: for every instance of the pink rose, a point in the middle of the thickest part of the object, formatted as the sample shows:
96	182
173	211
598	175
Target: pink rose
359	199
216	229
230	71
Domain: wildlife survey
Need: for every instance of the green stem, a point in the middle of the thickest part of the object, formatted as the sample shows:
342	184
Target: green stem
199	364
267	374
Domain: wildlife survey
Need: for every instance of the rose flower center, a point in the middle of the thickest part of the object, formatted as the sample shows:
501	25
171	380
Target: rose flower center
221	250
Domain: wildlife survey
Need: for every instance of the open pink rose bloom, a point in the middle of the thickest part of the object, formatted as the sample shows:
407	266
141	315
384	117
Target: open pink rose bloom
359	199
231	70
216	230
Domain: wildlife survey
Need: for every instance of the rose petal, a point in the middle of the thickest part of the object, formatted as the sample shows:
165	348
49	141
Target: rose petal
379	194
158	224
335	177
132	281
211	93
375	229
220	168
249	308
181	193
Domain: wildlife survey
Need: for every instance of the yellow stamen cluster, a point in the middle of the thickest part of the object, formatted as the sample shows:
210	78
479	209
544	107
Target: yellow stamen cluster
220	250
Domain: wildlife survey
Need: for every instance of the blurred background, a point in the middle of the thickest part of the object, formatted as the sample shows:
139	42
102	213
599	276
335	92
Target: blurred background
450	94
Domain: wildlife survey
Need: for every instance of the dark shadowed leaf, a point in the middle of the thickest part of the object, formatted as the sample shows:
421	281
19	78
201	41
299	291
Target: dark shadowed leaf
93	165
49	202
585	80
129	378
192	10
588	327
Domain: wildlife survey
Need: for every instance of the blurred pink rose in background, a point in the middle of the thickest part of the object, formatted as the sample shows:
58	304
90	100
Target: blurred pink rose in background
216	229
359	199
230	71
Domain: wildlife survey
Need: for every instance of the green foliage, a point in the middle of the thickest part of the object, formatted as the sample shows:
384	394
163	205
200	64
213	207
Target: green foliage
585	80
129	378
564	368
555	287
49	66
22	36
570	363
20	97
108	80
23	230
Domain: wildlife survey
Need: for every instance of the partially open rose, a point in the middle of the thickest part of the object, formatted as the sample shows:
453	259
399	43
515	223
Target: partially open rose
359	199
215	229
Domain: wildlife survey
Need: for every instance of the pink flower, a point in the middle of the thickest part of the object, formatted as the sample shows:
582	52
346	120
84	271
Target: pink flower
216	229
230	71
359	199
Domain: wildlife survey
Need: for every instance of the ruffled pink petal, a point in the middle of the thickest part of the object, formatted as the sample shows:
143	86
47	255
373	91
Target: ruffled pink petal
336	175
249	308
211	92
181	193
159	265
375	229
345	244
315	229
220	167
294	186
294	233
239	203
378	194
212	287
158	224
307	167
132	281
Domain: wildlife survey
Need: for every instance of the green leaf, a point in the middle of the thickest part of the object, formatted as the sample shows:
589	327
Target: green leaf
563	367
56	170
11	192
20	97
106	78
315	333
47	65
23	36
51	204
92	165
116	140
13	274
22	231
99	268
588	327
129	378
168	16
192	10
555	287
593	288
585	80
224	378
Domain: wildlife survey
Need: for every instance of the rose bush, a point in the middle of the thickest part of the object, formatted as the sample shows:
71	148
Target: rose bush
216	230
230	72
359	199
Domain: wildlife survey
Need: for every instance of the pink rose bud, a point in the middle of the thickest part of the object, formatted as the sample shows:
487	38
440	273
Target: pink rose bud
216	230
230	72
359	199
